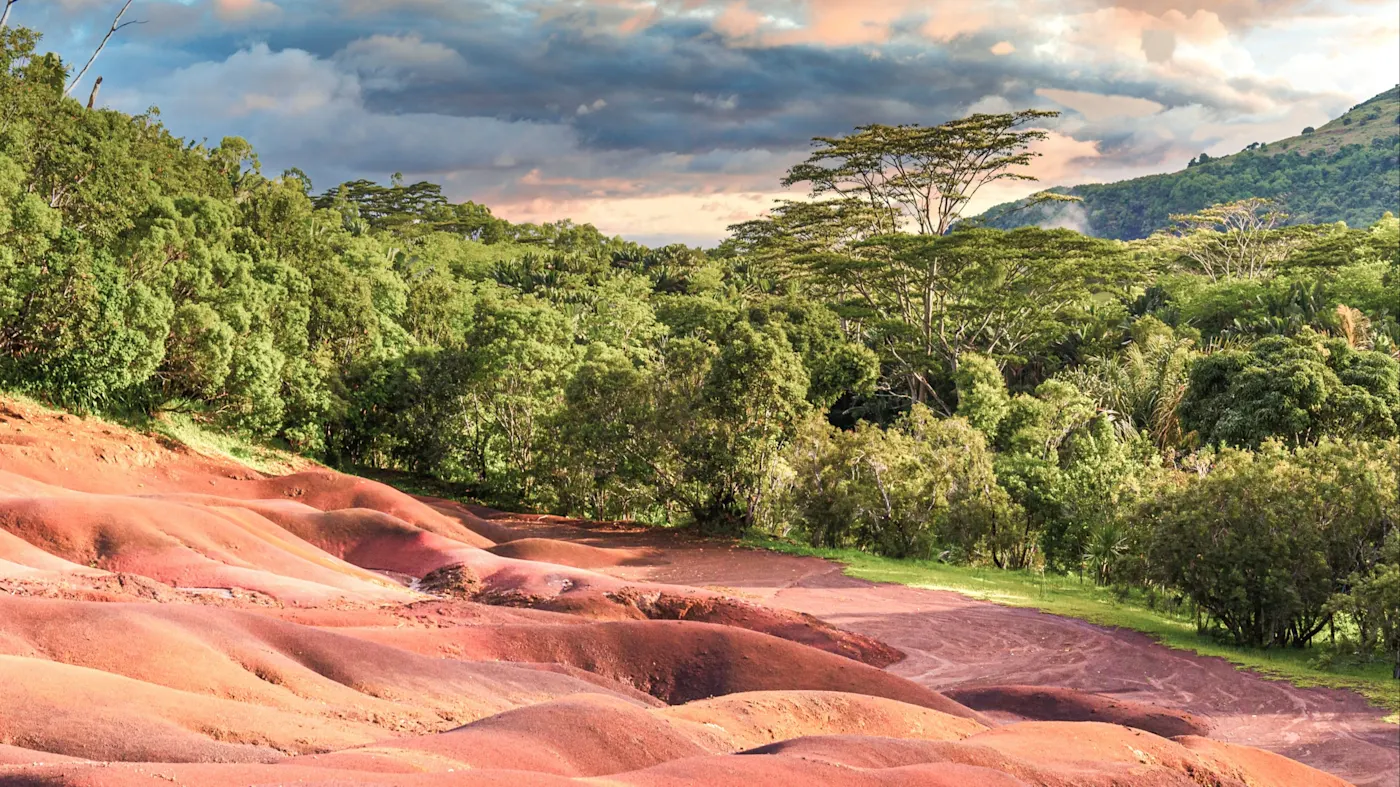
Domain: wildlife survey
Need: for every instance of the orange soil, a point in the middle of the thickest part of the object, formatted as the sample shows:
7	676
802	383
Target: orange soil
167	617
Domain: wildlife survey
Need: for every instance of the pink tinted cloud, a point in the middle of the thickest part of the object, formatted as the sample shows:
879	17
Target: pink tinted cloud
239	10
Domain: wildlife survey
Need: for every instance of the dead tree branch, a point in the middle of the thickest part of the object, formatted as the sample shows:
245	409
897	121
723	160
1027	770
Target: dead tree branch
117	24
5	17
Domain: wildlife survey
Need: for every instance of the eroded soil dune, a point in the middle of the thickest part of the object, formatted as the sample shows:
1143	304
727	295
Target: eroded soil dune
167	617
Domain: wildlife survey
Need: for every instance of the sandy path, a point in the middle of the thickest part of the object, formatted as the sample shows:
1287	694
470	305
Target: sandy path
952	640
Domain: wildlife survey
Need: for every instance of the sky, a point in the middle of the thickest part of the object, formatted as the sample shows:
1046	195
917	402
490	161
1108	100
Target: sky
669	120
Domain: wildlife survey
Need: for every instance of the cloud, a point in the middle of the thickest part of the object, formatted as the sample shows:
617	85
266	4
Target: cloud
1158	45
386	62
1066	216
308	112
588	109
1096	107
240	10
639	113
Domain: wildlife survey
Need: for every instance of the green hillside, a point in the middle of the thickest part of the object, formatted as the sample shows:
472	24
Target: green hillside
1347	170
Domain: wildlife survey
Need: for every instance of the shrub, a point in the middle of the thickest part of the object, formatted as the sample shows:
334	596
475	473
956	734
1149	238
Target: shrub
1264	540
905	491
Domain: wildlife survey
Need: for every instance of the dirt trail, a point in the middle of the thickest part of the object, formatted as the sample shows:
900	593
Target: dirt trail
952	640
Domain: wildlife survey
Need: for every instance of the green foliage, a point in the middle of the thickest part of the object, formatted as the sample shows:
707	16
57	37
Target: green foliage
1070	474
1142	385
604	437
1264	540
926	301
1299	389
902	491
918	174
1373	602
982	396
746	410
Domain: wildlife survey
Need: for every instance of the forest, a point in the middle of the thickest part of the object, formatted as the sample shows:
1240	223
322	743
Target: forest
1208	415
1347	170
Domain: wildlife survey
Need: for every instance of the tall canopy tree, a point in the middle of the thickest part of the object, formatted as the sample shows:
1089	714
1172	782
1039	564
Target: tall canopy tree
922	174
1240	239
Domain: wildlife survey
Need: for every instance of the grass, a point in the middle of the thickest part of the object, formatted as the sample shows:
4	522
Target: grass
1068	597
263	456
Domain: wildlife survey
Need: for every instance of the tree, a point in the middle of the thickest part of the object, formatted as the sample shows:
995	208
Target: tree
837	367
397	208
5	15
1061	463
926	301
907	491
1264	540
753	397
922	174
1236	239
1299	389
1372	602
797	235
117	24
1143	384
982	396
603	437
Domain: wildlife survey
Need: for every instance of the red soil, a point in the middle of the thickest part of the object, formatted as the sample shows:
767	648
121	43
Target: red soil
674	661
1049	703
565	553
582	736
745	721
951	641
167	617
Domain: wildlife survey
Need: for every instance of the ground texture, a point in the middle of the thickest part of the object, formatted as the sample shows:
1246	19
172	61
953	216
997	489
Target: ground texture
171	618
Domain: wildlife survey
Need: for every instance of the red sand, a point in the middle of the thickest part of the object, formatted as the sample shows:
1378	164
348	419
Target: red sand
1048	703
545	550
167	617
952	642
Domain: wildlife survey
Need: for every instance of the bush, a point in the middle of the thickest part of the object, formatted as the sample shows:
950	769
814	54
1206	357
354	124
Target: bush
907	491
1264	540
1297	389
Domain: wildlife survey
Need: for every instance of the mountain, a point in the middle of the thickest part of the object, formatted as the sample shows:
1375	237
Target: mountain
1347	170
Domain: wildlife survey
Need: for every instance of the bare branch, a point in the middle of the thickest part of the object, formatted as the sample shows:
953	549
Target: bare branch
92	97
5	17
117	24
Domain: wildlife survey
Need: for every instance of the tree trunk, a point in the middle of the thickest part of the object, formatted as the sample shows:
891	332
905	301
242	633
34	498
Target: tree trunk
92	97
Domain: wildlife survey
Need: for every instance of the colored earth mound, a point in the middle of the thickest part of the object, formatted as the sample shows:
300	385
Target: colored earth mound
168	617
